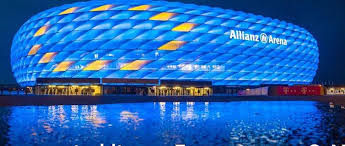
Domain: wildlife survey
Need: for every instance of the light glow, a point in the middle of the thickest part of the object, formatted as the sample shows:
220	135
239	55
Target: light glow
185	27
69	10
102	8
164	16
63	66
97	65
135	65
172	45
34	49
42	30
140	8
47	57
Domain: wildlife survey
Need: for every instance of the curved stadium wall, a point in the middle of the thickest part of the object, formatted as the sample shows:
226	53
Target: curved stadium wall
162	40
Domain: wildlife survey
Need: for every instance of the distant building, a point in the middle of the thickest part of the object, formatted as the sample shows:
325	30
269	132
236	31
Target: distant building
157	48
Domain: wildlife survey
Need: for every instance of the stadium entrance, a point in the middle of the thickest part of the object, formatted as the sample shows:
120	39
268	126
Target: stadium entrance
181	88
179	91
88	90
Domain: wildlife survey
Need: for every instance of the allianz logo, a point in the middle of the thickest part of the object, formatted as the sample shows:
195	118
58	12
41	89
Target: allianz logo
263	37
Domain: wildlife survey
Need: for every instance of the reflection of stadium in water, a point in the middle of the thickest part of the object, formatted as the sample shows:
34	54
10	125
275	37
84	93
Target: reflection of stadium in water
169	123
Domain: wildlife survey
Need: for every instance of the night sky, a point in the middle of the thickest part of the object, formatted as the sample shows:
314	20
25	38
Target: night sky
324	19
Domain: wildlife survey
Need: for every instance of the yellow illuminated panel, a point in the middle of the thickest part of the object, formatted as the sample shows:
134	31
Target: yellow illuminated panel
184	27
63	66
97	65
172	45
47	57
164	16
68	11
135	65
97	90
102	8
34	49
42	30
140	8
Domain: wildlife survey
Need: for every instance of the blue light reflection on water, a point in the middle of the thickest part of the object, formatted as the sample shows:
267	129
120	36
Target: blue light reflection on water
174	123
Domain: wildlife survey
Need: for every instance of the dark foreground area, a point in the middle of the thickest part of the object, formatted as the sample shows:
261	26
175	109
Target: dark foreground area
90	100
170	123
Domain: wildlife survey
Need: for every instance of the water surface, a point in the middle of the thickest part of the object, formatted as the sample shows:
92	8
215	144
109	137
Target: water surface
199	123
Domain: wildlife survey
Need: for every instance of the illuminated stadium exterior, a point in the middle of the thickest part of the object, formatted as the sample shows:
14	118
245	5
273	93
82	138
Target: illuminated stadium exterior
161	41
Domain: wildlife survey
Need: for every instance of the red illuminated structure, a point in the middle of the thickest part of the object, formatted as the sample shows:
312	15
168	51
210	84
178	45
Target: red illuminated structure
300	90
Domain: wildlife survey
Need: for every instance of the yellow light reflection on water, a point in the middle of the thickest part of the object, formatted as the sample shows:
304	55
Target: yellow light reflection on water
176	110
130	117
93	116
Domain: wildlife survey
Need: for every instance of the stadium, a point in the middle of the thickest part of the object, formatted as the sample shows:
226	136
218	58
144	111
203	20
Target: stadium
158	48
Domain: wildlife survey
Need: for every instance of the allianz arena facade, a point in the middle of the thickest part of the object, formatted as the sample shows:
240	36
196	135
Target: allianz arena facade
162	41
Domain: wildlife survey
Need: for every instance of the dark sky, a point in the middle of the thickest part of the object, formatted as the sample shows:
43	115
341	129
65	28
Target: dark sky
325	19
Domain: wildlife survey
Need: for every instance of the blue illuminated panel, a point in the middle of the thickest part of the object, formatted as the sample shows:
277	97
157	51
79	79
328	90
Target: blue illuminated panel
162	40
